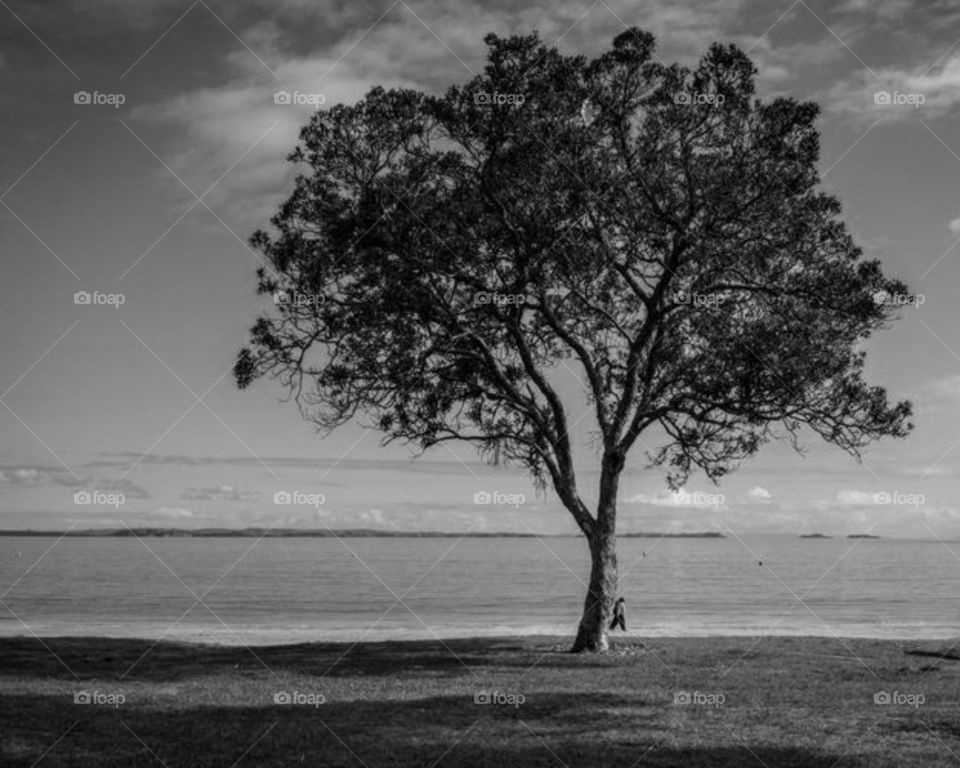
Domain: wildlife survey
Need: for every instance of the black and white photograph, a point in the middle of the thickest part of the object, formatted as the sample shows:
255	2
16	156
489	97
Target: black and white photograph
394	383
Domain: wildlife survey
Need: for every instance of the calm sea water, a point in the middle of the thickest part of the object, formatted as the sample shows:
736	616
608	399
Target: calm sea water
294	590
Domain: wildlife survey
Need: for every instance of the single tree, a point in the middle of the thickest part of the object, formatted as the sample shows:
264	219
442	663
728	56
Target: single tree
658	227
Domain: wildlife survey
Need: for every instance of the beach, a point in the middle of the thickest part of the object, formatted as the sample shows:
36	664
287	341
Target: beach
299	590
721	701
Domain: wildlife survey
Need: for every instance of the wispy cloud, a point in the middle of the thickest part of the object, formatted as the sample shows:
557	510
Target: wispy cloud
899	93
218	493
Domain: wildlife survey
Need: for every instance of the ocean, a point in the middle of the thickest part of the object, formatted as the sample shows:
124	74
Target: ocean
289	590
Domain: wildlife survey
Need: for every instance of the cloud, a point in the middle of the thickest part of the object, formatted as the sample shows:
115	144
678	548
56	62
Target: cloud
658	499
217	493
954	226
416	518
237	126
129	488
884	498
41	477
781	65
758	493
417	466
941	515
679	498
375	518
898	93
874	16
37	476
855	498
175	512
881	9
28	476
211	127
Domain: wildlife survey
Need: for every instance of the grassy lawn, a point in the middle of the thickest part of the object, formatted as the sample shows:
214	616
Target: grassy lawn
803	702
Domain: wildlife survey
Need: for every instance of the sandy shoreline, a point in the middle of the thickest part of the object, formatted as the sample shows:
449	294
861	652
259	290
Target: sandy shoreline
260	636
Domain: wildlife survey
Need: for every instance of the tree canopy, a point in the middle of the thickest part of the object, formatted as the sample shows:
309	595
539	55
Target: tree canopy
659	227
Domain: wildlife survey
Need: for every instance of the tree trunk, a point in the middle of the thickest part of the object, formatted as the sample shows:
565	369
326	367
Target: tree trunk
598	606
602	537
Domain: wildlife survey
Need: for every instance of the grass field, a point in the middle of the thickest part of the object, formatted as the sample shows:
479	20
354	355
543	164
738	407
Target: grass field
799	702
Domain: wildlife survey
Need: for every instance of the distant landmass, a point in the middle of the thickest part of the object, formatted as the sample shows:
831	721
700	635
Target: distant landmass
862	536
814	536
696	535
276	533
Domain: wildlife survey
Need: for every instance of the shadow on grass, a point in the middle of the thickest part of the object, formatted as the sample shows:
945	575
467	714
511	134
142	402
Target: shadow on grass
948	655
582	730
106	658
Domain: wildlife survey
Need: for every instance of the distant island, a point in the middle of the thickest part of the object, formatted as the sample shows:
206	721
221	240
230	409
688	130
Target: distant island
279	533
862	536
814	536
697	535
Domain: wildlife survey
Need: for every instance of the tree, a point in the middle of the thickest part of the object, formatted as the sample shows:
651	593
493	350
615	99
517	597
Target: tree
658	227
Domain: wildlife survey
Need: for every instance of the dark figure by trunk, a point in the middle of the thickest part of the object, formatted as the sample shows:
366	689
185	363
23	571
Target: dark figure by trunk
619	615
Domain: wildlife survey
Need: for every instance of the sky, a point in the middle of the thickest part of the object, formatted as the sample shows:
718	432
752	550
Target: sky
122	411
